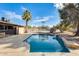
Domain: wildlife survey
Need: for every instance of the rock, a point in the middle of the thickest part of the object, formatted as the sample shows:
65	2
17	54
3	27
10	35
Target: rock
71	44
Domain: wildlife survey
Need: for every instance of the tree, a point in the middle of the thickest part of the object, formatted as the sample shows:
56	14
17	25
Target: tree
2	18
26	16
70	14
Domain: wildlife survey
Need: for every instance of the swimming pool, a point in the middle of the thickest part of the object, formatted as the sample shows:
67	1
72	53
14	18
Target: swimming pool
46	43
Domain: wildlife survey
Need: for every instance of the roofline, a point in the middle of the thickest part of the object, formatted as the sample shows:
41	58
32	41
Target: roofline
10	23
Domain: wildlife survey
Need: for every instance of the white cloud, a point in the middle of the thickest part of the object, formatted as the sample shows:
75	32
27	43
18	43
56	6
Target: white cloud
59	5
40	19
50	26
23	8
12	15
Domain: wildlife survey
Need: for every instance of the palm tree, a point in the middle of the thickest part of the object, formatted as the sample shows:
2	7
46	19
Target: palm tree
26	16
70	13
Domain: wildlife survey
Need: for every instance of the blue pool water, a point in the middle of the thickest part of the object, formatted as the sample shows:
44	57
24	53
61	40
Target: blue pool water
46	43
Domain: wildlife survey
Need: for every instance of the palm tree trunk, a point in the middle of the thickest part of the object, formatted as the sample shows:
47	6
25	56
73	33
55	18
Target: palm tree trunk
26	27
77	32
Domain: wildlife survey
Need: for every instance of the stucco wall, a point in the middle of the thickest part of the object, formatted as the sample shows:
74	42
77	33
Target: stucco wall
21	30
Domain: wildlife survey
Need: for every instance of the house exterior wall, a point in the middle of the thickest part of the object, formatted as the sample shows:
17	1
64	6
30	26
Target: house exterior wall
21	30
8	28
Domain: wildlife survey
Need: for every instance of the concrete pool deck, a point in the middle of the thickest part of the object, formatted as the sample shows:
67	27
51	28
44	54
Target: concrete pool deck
14	46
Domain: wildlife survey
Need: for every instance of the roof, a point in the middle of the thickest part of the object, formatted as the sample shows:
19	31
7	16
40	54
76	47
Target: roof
8	23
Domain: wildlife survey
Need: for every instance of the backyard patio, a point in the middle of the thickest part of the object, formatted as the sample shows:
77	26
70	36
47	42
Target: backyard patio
14	46
16	26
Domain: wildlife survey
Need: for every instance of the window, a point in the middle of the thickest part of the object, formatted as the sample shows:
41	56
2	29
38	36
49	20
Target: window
1	27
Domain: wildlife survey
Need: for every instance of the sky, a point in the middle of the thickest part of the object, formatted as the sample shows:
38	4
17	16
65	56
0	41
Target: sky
47	12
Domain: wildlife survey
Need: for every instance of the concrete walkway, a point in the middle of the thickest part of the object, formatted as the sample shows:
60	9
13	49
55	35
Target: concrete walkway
13	45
